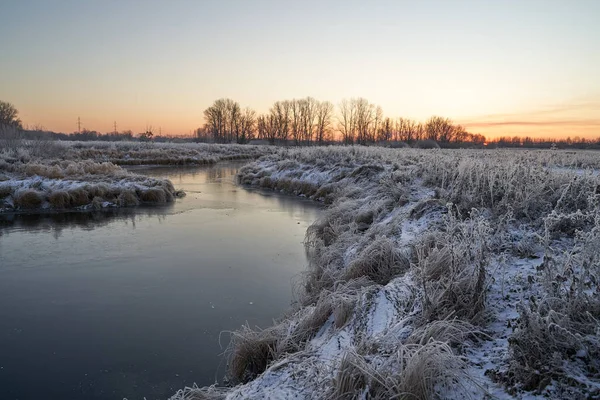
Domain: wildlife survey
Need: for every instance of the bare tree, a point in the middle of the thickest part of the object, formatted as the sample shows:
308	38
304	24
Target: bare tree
419	132
281	118
387	131
439	129
296	121
216	119
261	128
407	130
9	115
377	119
246	125
324	117
233	115
364	117
308	107
460	134
347	121
266	126
203	134
368	117
222	119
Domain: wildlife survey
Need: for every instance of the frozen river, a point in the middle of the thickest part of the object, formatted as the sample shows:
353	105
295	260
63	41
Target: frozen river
132	303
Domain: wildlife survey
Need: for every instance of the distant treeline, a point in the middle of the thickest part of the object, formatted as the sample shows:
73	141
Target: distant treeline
309	121
305	121
87	135
399	137
536	143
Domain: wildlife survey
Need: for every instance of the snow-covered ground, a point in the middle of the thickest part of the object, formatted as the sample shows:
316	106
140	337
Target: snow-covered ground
433	274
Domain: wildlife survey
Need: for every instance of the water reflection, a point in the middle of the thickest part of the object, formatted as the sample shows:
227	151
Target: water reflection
223	193
131	302
56	223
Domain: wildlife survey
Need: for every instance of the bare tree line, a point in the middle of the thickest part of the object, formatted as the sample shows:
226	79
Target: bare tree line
227	122
304	121
309	121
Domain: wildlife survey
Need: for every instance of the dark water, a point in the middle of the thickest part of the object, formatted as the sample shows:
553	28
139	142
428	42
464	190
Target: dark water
132	303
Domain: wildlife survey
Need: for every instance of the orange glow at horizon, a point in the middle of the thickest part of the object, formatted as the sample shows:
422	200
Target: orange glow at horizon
579	119
575	119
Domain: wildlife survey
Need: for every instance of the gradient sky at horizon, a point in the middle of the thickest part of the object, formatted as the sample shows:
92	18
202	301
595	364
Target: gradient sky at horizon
508	67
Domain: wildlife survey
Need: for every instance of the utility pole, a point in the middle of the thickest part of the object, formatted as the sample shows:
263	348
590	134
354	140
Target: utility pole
78	125
115	126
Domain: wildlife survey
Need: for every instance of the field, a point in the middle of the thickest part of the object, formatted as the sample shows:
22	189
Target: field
432	274
52	176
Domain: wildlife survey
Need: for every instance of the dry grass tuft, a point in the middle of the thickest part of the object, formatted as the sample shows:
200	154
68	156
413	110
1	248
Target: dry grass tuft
413	372
455	332
437	263
79	197
59	199
196	393
97	203
452	264
28	199
153	195
98	190
5	190
48	171
251	351
128	198
428	369
308	325
380	261
351	379
342	312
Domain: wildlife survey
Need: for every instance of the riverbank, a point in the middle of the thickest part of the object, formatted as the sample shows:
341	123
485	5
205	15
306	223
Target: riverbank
433	274
45	176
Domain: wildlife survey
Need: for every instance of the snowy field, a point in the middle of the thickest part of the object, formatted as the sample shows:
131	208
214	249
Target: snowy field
53	176
433	274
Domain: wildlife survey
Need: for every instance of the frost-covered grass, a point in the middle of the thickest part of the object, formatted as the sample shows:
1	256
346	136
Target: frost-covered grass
77	185
433	274
127	153
136	153
56	176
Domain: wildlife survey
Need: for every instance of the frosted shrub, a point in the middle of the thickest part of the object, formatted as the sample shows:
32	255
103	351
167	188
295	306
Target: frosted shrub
452	264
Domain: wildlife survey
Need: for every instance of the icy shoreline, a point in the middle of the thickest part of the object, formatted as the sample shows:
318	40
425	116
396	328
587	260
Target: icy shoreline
27	188
426	277
40	177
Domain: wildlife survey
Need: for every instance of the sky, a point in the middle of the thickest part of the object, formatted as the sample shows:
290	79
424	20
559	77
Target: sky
505	67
